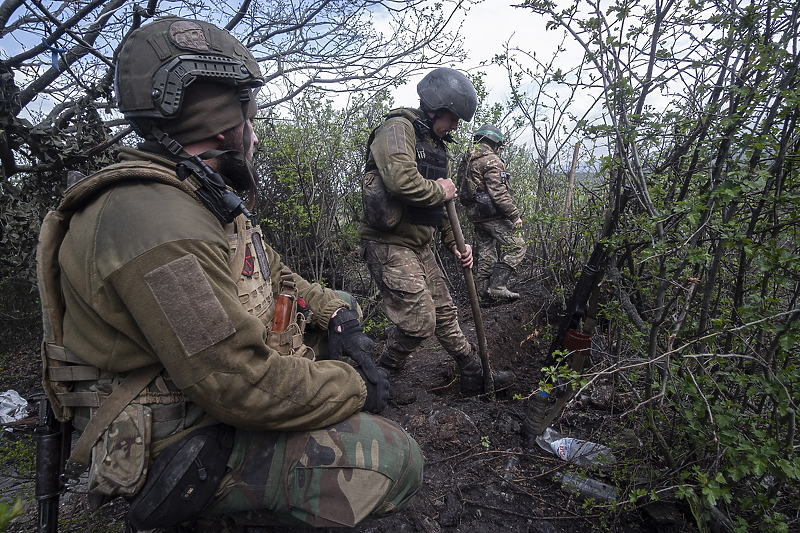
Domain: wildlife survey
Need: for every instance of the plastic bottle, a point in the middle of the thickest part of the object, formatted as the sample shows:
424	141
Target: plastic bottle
511	466
586	487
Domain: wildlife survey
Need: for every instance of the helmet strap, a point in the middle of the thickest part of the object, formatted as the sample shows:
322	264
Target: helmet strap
173	146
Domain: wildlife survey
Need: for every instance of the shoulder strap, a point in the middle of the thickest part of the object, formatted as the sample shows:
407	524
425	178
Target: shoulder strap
131	386
84	190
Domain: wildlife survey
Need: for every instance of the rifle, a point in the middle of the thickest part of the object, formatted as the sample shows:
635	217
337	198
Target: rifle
53	441
575	331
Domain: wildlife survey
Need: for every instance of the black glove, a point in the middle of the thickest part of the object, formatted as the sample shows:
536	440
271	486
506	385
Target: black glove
345	337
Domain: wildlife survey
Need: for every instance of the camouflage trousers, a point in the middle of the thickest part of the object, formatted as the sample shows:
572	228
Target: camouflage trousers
497	241
415	297
365	467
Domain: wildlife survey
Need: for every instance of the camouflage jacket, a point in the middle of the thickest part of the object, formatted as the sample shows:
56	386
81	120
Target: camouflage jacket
486	172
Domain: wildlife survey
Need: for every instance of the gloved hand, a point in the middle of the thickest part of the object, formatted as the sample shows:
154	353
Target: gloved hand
345	337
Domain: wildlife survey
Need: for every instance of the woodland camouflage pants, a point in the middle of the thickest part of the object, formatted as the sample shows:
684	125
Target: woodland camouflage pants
415	297
493	236
365	467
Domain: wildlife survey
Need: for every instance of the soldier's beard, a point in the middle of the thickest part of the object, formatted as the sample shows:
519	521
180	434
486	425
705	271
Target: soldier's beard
241	174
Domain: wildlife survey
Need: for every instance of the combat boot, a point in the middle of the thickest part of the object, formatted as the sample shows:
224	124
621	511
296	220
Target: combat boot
393	362
497	286
469	366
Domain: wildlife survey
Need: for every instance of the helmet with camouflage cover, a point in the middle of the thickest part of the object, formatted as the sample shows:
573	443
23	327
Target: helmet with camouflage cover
445	88
172	64
489	132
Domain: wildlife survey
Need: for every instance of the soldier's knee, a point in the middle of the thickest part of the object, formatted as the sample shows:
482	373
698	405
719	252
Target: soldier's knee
404	469
352	302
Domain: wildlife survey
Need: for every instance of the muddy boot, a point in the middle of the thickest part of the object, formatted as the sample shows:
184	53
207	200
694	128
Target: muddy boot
497	287
393	362
481	285
469	366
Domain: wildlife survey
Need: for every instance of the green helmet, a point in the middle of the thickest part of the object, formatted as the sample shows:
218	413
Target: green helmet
490	132
159	61
445	88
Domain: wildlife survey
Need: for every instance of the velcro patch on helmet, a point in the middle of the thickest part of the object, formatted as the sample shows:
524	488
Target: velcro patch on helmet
188	35
188	302
396	139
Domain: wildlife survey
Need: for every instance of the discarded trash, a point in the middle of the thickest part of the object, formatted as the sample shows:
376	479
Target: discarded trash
586	487
577	451
12	407
511	466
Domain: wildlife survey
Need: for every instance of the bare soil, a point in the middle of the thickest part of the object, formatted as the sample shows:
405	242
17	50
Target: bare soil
479	477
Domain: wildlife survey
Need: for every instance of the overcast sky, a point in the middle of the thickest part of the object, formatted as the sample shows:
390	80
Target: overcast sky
487	27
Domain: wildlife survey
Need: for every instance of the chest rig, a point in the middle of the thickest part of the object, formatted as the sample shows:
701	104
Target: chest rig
432	165
250	270
431	158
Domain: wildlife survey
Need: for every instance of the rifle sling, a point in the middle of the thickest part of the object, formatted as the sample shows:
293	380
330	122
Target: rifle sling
128	390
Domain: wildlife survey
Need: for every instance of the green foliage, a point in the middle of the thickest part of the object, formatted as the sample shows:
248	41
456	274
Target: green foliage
310	189
18	457
706	263
375	326
8	512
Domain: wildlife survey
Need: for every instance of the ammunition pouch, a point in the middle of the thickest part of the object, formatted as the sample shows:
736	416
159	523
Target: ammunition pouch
183	479
290	341
381	210
484	205
121	455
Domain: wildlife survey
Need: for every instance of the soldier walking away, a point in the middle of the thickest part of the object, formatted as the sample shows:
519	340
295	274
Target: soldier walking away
406	182
166	341
486	194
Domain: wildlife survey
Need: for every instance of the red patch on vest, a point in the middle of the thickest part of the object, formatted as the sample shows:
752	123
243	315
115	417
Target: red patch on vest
249	263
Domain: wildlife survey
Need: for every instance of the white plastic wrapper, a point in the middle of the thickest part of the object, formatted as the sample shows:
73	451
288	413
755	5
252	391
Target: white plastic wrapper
12	407
577	451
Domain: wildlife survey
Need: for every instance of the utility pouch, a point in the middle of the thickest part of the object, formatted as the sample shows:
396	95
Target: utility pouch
290	340
381	210
485	205
183	479
121	454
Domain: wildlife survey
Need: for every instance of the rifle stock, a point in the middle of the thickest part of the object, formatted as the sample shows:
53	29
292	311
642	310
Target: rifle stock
53	440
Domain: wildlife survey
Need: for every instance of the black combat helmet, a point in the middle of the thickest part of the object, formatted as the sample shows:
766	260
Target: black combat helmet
161	61
490	132
445	88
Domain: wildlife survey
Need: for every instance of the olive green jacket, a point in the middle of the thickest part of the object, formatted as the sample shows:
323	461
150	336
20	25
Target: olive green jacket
145	277
393	152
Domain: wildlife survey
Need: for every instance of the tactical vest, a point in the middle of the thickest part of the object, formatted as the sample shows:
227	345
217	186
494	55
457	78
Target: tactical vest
114	410
251	272
431	164
472	189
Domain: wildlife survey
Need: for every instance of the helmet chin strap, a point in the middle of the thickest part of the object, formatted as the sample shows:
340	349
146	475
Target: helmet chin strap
177	149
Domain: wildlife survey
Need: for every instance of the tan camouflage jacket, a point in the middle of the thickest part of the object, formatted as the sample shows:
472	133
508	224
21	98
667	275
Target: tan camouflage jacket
146	278
486	171
393	151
